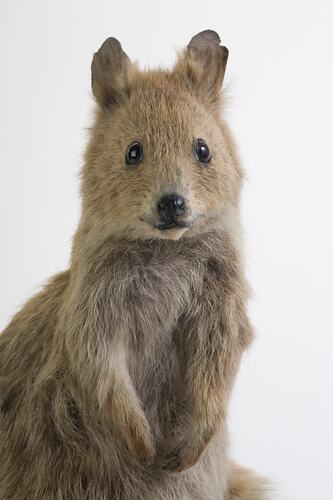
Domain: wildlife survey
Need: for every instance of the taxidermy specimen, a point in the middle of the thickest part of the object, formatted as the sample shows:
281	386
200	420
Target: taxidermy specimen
115	378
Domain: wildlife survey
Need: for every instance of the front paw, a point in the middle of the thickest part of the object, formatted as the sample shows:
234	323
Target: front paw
185	454
140	441
126	416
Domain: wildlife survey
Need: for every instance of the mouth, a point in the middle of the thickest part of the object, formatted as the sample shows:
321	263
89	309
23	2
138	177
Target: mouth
171	224
174	224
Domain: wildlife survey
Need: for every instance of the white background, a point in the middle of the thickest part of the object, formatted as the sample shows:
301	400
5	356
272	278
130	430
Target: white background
281	85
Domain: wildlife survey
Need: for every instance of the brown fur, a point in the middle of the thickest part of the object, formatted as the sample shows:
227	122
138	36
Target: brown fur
115	378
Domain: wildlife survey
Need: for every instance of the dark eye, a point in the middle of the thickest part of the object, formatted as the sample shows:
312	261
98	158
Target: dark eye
202	151
134	153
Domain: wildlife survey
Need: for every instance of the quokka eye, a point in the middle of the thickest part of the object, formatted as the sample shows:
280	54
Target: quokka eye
201	151
134	154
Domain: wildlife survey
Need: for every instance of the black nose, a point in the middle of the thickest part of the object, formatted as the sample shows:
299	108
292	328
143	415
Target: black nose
170	206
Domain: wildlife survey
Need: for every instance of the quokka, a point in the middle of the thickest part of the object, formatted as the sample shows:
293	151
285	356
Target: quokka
115	378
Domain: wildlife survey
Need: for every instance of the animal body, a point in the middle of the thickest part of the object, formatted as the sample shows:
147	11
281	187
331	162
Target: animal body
115	378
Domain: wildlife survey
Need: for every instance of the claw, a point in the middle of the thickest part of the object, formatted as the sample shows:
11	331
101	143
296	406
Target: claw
174	453
173	464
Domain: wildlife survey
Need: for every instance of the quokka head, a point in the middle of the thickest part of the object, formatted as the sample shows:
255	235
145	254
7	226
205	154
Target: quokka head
161	161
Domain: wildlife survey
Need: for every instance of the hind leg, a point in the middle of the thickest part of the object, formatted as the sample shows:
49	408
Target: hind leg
243	484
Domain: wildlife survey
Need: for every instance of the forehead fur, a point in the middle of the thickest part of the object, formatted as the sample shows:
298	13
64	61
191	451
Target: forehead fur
163	112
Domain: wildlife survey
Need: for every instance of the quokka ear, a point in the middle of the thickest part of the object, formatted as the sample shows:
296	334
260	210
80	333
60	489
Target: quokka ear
203	62
110	73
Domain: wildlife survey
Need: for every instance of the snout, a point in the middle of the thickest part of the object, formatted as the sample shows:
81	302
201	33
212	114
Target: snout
170	208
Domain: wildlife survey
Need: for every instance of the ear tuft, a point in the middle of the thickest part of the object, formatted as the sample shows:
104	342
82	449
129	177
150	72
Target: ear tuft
109	72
